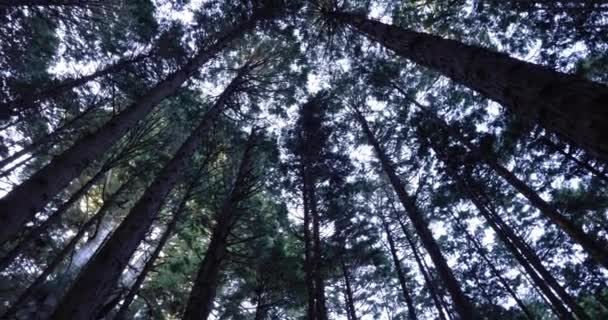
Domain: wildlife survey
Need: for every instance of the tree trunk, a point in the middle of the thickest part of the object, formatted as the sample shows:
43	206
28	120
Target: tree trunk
61	256
128	299
595	247
200	302
571	106
568	155
400	274
308	263
321	308
33	99
350	300
479	248
24	201
461	302
101	274
425	273
49	3
526	257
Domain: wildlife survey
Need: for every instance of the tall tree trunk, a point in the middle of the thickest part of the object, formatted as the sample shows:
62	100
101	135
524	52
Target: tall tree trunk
101	274
595	247
321	308
35	234
24	201
308	261
481	251
425	274
461	302
33	99
350	300
573	107
400	274
61	256
128	299
527	258
200	302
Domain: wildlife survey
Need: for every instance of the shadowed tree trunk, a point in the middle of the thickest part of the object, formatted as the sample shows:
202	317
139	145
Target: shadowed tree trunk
571	106
308	263
200	302
461	302
69	247
568	155
33	99
128	299
479	248
400	274
425	274
23	202
595	247
350	300
321	308
101	274
525	256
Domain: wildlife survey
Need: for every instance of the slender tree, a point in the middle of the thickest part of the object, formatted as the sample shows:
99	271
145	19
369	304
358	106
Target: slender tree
200	302
461	302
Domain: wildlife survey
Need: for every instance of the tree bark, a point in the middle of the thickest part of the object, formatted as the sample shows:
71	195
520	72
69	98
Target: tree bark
200	302
526	257
595	247
321	308
571	106
23	202
350	300
101	274
60	257
33	99
480	250
128	299
400	274
424	272
461	302
308	263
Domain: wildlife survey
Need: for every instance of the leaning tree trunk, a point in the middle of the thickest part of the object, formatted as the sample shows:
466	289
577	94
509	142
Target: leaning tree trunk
595	247
400	274
350	300
425	274
61	256
200	302
101	274
570	156
571	106
481	251
33	99
24	201
461	302
531	263
128	299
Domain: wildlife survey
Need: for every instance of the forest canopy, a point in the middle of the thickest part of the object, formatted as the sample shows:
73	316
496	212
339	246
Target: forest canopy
304	159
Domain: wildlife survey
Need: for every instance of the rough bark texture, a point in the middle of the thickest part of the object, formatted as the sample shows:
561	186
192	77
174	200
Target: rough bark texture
25	200
461	302
571	106
400	274
101	274
200	302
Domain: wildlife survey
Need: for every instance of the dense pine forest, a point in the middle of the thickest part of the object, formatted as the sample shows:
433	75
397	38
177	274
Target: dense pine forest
304	159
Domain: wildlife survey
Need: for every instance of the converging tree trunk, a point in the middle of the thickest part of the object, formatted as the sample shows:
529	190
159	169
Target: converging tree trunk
461	302
200	302
571	106
101	274
400	273
23	202
348	290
